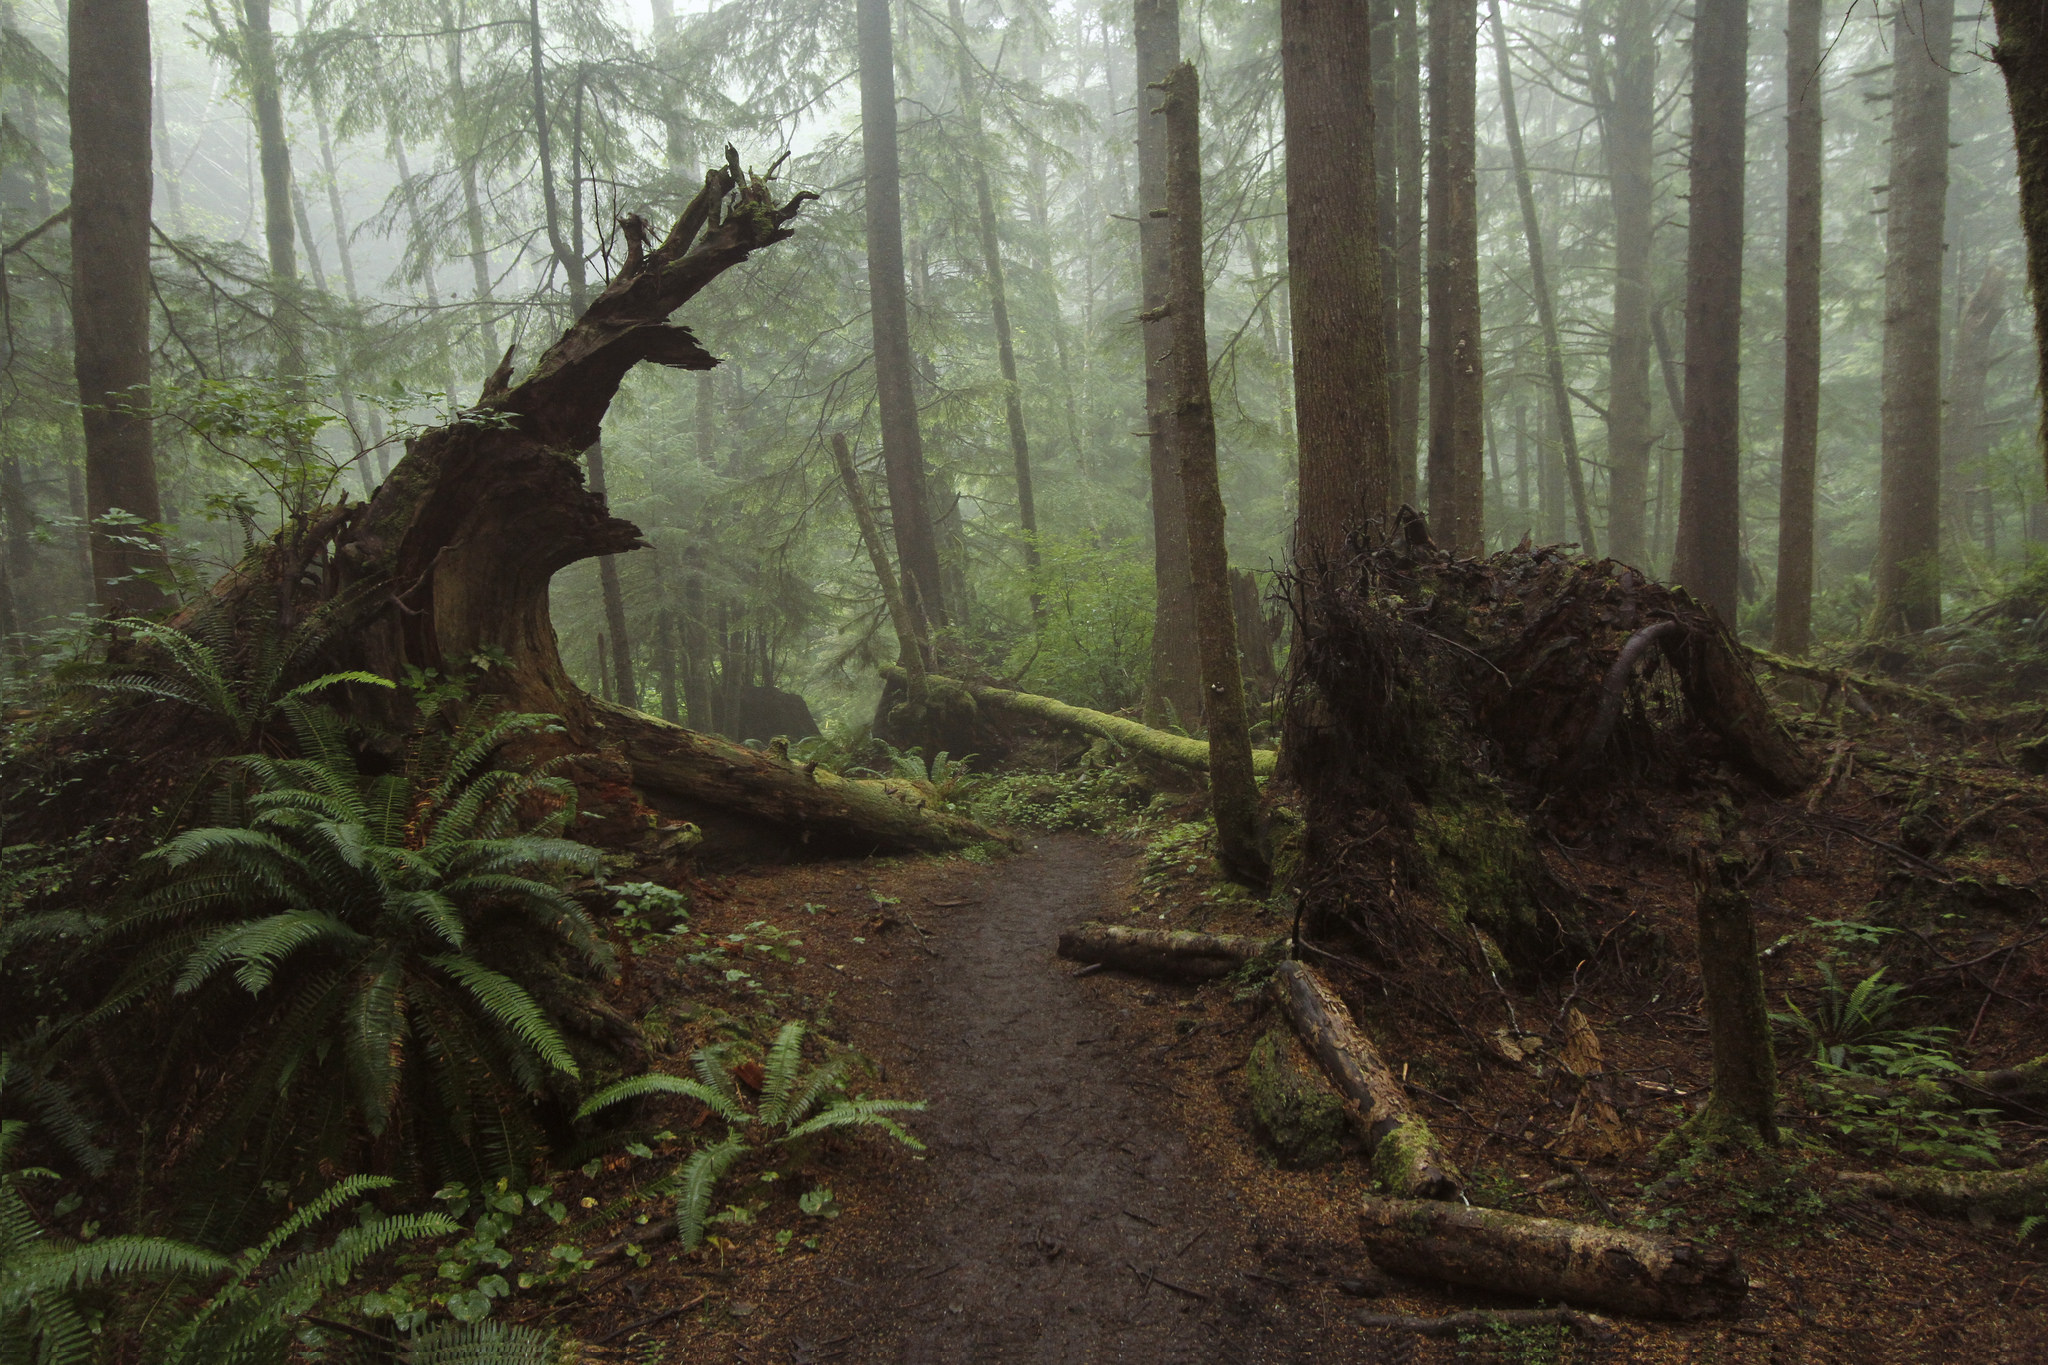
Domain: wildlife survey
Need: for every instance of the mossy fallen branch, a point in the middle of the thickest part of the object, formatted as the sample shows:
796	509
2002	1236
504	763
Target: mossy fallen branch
1917	701
1175	954
2022	1193
1178	750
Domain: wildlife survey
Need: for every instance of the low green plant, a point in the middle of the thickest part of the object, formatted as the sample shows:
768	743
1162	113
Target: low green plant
1849	1022
942	780
797	1102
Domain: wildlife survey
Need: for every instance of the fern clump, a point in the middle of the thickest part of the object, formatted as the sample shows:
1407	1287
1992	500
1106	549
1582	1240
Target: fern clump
370	950
796	1103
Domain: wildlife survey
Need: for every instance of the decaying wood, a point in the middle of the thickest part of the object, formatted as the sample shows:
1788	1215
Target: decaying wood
1643	1274
1178	750
2002	1194
1175	954
1404	1154
1483	1320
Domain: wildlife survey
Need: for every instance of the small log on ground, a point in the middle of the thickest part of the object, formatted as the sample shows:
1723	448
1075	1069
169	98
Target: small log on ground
1545	1258
1404	1154
1175	954
1489	1319
2021	1193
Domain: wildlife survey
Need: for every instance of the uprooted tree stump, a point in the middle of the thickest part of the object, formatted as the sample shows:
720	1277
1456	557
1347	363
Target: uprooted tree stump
450	560
1438	700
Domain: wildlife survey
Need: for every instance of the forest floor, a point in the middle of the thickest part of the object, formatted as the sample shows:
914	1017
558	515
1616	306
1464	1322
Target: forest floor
1093	1189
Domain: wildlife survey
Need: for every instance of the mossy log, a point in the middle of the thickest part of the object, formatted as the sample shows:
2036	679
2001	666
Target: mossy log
1404	1154
1178	750
1479	1321
1642	1274
2021	1193
1174	954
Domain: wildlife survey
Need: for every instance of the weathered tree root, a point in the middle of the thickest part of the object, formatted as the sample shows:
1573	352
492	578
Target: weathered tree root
1404	1154
2002	1194
1490	1319
1174	954
1178	750
1642	1274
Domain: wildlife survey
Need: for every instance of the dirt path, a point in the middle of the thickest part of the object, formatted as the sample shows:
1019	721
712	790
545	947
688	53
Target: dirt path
1062	1216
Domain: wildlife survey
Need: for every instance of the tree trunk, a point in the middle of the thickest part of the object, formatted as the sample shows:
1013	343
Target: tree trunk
1384	53
917	548
2022	57
1334	253
1743	1102
2021	1193
1627	104
110	198
1546	304
1406	362
472	201
1544	1258
274	157
1907	577
1456	378
1233	792
999	308
1172	954
909	642
1798	470
1962	441
1405	1159
665	666
1708	559
1173	691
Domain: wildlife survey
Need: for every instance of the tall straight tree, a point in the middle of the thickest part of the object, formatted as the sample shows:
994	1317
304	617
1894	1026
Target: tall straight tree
1539	283
1174	685
1624	90
1908	569
917	548
110	194
999	301
1708	558
1963	435
1404	365
1457	413
2022	57
1798	469
1233	791
1347	478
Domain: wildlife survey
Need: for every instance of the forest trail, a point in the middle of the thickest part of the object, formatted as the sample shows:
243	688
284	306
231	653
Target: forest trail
1063	1216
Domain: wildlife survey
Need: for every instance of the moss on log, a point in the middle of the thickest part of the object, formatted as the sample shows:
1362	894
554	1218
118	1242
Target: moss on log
1643	1274
1174	954
2021	1193
1404	1154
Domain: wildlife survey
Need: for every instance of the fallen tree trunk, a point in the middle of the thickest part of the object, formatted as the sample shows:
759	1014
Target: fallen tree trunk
707	779
1481	1320
2002	1194
1629	1272
1404	1154
1178	750
1175	954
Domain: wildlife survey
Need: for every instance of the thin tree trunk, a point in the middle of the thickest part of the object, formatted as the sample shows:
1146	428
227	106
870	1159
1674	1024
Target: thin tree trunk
1908	570
1628	124
1173	688
1456	381
999	308
1384	51
1799	465
1546	303
2022	57
665	666
1405	364
472	201
274	158
909	640
1233	792
1744	1090
174	193
1963	440
1334	252
110	201
1708	559
917	547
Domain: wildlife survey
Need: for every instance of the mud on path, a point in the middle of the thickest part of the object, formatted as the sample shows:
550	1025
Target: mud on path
1063	1215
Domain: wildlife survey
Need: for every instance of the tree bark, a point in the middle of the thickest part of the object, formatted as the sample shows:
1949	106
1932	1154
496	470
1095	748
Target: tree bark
665	666
2021	1193
1171	954
999	308
1233	792
1334	253
1799	463
1743	1101
1708	559
1405	1159
1625	93
274	157
1963	434
1546	304
1907	576
917	547
1406	361
1544	1258
1173	691
110	199
472	200
1456	381
2022	56
909	643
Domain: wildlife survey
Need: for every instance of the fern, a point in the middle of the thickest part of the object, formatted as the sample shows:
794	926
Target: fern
861	1114
725	1106
487	1343
694	1184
